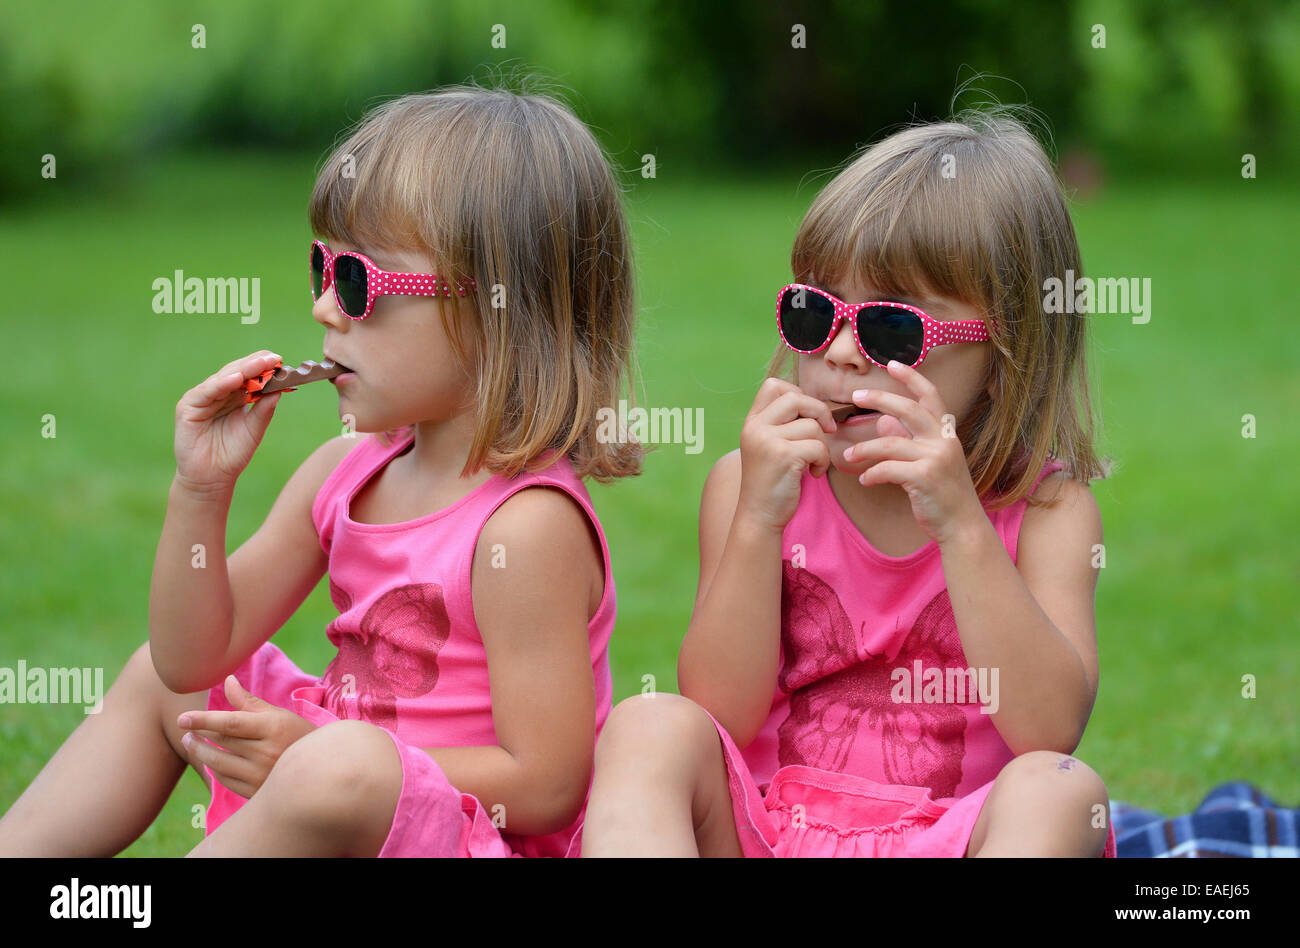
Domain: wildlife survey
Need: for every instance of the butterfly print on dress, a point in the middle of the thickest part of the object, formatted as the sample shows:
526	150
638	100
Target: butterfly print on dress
832	690
395	655
341	598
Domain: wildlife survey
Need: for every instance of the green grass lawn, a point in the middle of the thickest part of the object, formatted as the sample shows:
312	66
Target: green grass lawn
1201	559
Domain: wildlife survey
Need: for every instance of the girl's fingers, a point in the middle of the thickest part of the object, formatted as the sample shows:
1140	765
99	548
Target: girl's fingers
259	416
250	364
245	790
211	400
889	426
886	472
238	364
235	745
771	389
878	449
926	392
814	453
910	412
223	763
231	723
218	386
795	404
799	430
234	784
213	390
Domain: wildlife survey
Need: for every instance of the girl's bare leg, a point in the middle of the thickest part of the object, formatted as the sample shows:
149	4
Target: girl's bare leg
111	777
1043	804
660	787
333	792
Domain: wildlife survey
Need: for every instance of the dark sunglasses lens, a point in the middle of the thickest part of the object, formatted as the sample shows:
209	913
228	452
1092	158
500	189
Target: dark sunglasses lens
806	319
887	333
317	271
350	279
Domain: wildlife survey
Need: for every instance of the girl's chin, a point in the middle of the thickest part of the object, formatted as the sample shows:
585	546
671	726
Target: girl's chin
856	435
359	425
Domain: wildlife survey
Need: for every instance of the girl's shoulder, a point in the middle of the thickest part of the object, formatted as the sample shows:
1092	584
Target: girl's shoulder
550	526
325	460
333	451
521	506
724	475
1068	519
1056	487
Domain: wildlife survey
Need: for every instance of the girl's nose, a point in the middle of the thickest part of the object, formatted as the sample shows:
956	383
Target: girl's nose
843	352
325	310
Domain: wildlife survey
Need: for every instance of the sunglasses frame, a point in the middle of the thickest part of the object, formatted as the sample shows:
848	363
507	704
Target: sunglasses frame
934	331
379	282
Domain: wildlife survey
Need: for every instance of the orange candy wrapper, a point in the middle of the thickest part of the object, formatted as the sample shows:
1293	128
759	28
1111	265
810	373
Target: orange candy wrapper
280	378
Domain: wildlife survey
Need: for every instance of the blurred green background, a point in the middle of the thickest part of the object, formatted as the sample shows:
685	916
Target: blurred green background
201	159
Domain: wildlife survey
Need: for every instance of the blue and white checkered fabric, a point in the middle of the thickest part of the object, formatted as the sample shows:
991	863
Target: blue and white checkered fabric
1234	820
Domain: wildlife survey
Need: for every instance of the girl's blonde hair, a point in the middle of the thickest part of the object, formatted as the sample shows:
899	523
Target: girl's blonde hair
971	209
513	191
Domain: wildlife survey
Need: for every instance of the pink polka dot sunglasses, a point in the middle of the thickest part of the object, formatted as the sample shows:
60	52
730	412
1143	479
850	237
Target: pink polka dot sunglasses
358	282
808	318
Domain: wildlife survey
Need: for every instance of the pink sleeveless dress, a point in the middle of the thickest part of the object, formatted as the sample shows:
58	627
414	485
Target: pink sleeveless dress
410	658
840	767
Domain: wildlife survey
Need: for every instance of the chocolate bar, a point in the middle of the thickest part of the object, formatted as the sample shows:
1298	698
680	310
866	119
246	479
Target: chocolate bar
282	378
840	411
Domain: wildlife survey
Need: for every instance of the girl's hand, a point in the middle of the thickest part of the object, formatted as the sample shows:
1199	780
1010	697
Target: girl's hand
254	736
925	461
781	438
215	437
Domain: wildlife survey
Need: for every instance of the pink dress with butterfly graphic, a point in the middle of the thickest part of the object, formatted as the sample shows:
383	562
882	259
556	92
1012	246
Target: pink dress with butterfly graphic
840	768
410	658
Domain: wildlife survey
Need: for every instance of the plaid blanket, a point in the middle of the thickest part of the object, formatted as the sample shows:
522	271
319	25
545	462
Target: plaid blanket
1235	819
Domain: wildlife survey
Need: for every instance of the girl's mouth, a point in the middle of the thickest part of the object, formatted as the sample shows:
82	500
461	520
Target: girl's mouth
344	375
862	417
851	414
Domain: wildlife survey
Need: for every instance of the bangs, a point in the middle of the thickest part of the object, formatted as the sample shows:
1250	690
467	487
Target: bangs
387	185
351	207
891	222
912	249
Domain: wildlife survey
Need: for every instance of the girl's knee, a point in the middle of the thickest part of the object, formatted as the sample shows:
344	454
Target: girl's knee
644	721
138	690
1055	798
1057	775
656	731
337	773
139	668
139	675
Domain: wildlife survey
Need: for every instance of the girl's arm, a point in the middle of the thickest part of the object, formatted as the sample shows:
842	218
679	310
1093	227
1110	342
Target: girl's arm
190	609
533	614
1034	623
728	660
205	620
1033	627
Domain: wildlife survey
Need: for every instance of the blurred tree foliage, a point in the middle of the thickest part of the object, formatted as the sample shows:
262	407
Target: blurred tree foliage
730	82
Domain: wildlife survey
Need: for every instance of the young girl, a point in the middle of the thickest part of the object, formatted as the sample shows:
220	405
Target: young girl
477	285
892	651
